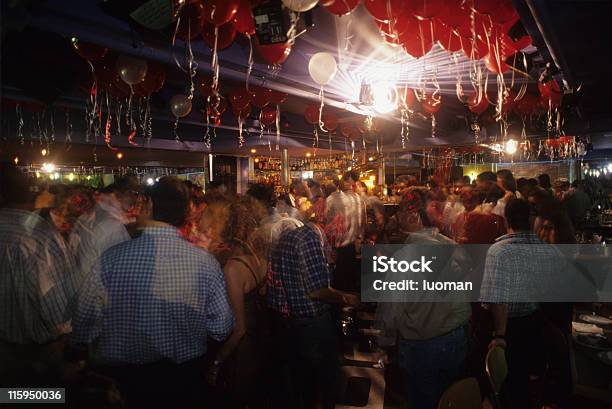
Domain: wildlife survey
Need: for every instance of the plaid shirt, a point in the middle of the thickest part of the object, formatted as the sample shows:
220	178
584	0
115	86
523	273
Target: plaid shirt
516	265
298	267
37	281
153	298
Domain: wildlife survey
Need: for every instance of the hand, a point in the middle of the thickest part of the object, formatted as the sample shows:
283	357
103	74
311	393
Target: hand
498	342
381	358
212	373
350	300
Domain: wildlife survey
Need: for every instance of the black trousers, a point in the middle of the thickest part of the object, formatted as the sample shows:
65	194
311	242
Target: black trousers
308	361
524	351
163	384
347	274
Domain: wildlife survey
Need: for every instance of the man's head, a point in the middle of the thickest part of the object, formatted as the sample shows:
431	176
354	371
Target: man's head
264	194
544	181
170	199
505	180
517	215
485	177
349	179
126	191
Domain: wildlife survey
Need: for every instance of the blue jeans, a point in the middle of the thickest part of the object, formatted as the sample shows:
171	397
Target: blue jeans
432	365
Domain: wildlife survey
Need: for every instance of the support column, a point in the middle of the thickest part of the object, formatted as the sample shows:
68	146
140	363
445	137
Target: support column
285	177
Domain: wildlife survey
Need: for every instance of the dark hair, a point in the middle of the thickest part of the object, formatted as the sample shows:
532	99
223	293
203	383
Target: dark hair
465	180
521	183
14	185
170	197
196	194
544	181
490	192
549	208
507	178
517	214
486	176
330	187
263	193
354	176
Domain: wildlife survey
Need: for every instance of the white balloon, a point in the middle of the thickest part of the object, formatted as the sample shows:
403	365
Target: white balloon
300	6
180	105
322	68
131	70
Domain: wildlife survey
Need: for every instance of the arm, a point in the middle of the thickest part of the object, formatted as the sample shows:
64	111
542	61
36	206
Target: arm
219	315
500	319
88	311
332	296
236	289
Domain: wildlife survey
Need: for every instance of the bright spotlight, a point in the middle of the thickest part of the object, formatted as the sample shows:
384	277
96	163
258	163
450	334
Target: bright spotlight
150	181
385	97
48	167
511	146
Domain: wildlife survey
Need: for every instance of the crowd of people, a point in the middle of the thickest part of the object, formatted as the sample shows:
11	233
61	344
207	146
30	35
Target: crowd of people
166	295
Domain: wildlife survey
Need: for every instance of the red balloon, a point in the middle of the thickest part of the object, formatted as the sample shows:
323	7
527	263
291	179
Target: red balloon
330	121
346	129
108	78
278	97
406	95
504	12
453	14
342	7
240	99
218	110
261	97
495	65
225	38
482	24
485	6
446	37
522	42
192	21
154	80
425	9
526	105
475	53
88	51
273	53
508	103
475	106
549	88
205	86
416	36
268	115
431	105
242	113
385	9
311	114
219	12
361	124
243	20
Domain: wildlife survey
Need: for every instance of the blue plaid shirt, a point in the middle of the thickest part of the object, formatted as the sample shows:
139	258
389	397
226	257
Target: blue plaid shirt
518	264
298	267
153	298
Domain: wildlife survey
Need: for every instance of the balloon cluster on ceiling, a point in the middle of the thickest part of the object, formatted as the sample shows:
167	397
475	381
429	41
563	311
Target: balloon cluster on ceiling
475	29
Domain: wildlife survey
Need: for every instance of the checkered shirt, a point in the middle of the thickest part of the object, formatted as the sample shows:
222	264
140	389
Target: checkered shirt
153	298
518	264
298	267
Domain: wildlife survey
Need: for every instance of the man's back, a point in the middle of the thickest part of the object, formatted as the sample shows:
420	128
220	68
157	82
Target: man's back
346	210
156	297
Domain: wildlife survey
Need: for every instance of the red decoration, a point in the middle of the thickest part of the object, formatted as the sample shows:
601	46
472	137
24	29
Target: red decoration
526	105
485	6
330	121
471	52
225	38
278	97
219	12
384	9
240	99
417	36
341	7
311	114
273	53
453	14
192	21
446	37
261	97
508	103
154	80
495	66
431	105
242	113
504	12
478	107
243	20
205	86
346	129
268	115
406	95
425	9
88	51
550	88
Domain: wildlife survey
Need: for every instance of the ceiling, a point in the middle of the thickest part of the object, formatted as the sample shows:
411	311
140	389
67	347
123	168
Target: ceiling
39	65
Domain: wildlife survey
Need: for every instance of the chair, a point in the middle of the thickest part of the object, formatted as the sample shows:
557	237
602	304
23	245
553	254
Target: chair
497	371
463	394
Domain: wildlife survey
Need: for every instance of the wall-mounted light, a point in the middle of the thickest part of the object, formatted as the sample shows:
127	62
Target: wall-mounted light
119	155
253	150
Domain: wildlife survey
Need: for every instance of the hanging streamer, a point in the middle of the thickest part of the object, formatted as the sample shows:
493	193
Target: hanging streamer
19	124
68	139
277	125
250	63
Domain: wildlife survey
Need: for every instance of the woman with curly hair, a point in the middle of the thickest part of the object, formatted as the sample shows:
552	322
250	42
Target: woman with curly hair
238	361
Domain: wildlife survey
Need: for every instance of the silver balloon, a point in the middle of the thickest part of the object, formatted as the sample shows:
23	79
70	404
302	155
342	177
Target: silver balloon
180	105
131	70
